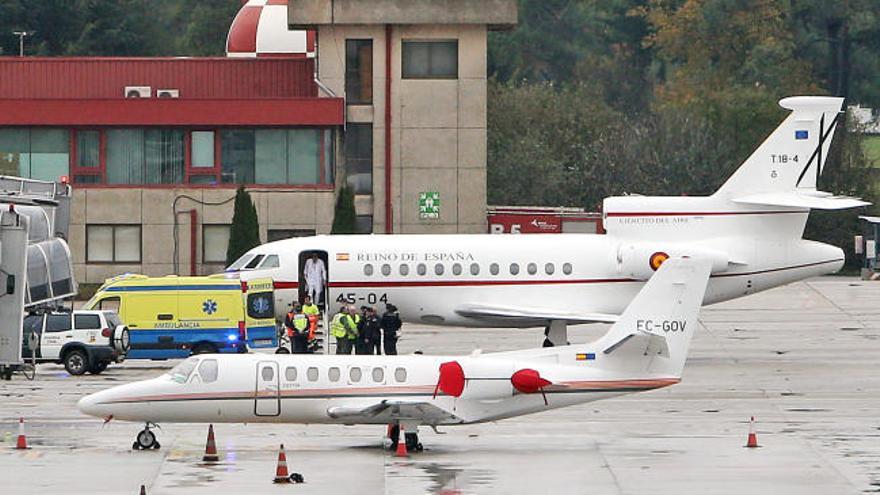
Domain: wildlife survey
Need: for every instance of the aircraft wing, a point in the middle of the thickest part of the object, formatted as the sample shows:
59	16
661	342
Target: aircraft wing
389	411
816	200
530	316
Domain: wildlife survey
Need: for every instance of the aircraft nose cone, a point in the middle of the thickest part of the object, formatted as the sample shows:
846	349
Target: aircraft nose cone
89	405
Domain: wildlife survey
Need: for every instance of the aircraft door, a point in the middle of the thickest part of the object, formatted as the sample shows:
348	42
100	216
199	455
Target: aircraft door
267	400
314	276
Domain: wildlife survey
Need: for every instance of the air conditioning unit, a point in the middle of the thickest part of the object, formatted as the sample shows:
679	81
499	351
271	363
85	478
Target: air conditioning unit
138	92
167	93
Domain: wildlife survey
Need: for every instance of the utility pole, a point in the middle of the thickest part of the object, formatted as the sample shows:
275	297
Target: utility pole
21	35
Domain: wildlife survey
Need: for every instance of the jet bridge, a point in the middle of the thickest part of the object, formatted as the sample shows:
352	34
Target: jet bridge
36	272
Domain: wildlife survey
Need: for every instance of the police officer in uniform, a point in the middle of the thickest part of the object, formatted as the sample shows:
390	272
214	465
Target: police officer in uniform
369	332
297	328
390	325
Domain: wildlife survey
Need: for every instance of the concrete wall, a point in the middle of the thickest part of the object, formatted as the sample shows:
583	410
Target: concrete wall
152	209
438	127
496	13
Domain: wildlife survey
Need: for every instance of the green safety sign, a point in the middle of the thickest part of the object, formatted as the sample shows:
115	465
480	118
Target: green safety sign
429	205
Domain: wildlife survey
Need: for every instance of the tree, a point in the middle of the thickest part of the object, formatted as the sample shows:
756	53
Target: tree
244	234
344	216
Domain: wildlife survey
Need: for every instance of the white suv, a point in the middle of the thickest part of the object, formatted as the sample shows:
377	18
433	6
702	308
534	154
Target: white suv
80	340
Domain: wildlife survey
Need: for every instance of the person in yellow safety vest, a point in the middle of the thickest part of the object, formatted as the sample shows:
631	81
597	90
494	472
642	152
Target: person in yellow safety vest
297	328
352	329
313	314
341	326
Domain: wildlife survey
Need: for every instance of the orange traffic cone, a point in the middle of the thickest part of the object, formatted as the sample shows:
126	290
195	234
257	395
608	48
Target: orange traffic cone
753	438
281	475
21	444
210	447
401	444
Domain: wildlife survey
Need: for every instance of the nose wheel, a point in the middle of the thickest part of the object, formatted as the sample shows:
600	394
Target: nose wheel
145	440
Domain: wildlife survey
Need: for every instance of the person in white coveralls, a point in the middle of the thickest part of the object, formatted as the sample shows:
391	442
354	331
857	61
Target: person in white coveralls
315	274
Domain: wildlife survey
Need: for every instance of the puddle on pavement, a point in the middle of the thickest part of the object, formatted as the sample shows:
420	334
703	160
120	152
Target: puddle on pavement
442	478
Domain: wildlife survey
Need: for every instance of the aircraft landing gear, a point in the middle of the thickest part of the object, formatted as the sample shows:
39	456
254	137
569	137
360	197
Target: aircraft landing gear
145	440
411	439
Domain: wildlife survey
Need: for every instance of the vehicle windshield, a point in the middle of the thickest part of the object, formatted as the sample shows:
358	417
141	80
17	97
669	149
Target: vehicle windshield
112	318
239	263
182	371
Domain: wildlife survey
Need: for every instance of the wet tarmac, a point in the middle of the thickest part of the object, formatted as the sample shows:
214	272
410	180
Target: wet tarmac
802	359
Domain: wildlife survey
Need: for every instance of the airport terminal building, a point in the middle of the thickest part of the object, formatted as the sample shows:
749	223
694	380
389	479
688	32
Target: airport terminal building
386	96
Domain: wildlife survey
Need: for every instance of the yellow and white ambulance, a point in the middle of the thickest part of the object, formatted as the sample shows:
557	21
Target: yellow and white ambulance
174	317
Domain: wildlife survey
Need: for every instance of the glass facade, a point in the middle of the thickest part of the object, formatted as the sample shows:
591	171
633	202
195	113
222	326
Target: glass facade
42	154
171	156
359	72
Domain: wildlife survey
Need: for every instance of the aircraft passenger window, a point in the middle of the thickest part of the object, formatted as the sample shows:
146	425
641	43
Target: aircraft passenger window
421	269
438	269
456	269
312	374
355	374
400	375
290	374
368	269
378	375
404	269
271	261
493	269
514	269
533	268
566	268
268	373
475	269
333	374
386	269
254	262
208	370
549	268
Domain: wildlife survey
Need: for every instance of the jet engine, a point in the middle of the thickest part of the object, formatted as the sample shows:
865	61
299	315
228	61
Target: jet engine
640	260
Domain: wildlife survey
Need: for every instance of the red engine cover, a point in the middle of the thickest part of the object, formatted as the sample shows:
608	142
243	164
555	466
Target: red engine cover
528	381
451	380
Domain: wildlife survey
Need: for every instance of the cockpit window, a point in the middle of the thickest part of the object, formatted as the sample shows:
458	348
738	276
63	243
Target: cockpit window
208	370
254	262
239	263
182	371
271	261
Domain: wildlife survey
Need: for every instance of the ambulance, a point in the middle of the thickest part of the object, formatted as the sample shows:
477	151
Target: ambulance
175	317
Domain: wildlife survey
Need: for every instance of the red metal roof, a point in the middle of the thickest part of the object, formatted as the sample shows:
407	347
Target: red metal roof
104	77
171	112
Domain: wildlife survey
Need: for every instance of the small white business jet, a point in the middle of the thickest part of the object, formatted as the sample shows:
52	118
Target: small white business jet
750	229
644	350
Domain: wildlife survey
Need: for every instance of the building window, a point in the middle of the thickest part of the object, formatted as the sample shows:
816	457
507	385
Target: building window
113	243
145	156
359	72
215	240
237	152
363	224
430	59
42	154
277	156
279	234
202	155
358	149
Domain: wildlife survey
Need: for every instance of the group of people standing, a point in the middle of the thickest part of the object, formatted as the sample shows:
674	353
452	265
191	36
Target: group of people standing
364	331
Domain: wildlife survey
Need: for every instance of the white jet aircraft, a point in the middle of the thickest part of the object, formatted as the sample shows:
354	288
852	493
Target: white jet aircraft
644	350
750	229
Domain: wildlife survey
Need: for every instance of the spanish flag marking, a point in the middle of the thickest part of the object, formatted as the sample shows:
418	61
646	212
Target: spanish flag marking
586	356
342	257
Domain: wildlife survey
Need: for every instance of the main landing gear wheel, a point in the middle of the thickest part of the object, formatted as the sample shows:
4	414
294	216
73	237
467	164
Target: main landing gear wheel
411	438
145	440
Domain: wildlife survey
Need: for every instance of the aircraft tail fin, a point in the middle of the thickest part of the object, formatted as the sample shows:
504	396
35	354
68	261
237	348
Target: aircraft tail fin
654	333
793	156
